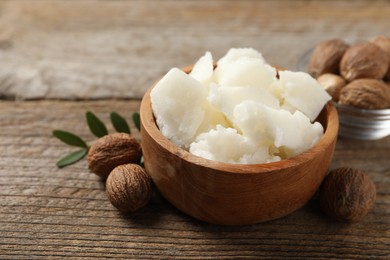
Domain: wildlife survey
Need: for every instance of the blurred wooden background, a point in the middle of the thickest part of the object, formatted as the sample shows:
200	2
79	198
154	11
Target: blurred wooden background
103	49
66	50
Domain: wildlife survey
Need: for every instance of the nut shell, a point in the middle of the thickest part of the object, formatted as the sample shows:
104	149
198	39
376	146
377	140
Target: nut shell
366	94
129	187
384	43
326	57
347	194
112	150
364	60
332	83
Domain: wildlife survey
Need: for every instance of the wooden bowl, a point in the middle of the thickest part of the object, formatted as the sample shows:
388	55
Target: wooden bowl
235	194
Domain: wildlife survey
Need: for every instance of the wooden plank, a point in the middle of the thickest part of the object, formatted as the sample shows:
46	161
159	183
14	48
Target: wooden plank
117	49
53	213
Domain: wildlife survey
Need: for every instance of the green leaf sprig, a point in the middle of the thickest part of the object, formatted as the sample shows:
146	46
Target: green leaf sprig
97	128
120	123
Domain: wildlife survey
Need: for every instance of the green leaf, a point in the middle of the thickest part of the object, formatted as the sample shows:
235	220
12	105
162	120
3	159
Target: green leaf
119	123
72	158
96	126
137	120
70	138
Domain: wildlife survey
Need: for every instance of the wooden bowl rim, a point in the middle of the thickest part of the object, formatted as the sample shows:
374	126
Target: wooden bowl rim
149	124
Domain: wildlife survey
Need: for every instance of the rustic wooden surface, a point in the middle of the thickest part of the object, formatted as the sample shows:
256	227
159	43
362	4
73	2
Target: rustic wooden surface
102	49
49	212
116	49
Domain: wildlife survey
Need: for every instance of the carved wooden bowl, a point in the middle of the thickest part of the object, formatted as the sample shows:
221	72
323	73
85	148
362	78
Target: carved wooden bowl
235	194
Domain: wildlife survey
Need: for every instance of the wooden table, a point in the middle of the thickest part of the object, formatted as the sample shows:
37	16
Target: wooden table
46	212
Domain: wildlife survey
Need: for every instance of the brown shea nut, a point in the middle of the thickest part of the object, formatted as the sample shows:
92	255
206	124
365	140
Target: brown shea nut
326	57
366	94
112	150
129	187
364	60
347	194
384	43
332	83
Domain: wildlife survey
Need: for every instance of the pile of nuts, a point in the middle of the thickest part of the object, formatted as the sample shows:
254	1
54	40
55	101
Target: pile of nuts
357	75
116	157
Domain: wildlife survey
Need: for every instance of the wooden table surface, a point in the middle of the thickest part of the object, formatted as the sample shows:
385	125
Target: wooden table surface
53	52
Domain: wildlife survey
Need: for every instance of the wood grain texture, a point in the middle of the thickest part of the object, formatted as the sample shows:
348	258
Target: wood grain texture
116	49
103	49
48	213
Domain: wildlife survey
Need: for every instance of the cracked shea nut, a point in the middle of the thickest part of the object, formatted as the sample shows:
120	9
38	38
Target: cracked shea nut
112	150
347	194
326	57
364	60
129	187
332	83
366	94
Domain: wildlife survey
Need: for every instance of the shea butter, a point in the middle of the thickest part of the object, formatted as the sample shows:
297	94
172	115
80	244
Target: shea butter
243	111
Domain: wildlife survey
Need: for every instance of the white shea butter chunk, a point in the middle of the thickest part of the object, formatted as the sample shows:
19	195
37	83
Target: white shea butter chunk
268	126
177	103
234	54
226	145
227	98
203	69
212	118
303	92
245	72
